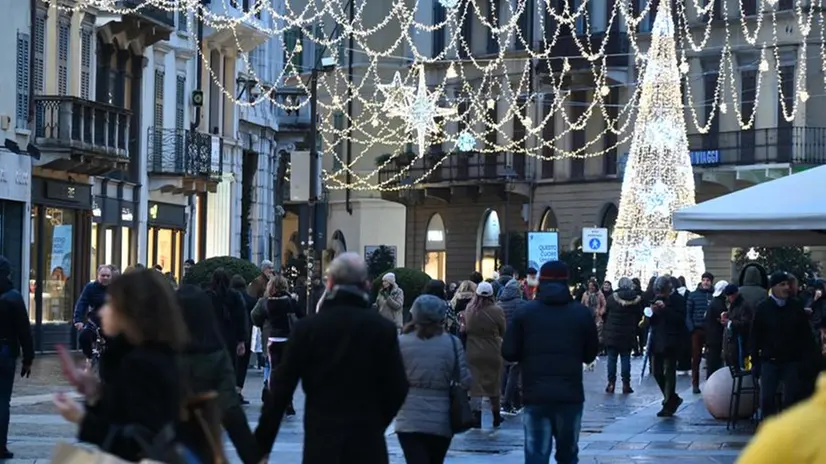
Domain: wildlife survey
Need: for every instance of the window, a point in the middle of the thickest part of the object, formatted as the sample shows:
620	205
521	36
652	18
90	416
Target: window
550	22
180	108
182	19
491	121
493	39
582	18
338	125
525	25
63	30
784	127
612	110
158	112
319	48
465	45
520	136
749	7
648	21
292	38
438	34
22	100
86	35
548	134
709	88
579	101
39	52
748	93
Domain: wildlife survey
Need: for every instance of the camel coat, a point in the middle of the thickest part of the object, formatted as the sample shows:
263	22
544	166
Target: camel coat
485	329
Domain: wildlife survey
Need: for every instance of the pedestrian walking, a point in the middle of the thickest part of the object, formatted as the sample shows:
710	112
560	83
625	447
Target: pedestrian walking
276	315
348	361
668	330
390	300
485	328
551	337
510	300
140	382
530	284
780	341
594	300
258	286
240	285
432	359
697	305
715	327
15	338
206	367
229	308
623	313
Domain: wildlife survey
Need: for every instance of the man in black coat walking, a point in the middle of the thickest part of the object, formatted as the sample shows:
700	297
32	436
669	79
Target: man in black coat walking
15	336
348	361
669	331
551	337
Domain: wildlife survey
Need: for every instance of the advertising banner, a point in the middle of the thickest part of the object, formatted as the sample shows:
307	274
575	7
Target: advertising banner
542	247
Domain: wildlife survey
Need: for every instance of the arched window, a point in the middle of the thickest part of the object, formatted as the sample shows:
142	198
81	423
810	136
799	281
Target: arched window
435	257
548	222
609	217
338	243
488	244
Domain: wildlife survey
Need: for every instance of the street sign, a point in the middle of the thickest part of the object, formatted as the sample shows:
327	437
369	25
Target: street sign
594	240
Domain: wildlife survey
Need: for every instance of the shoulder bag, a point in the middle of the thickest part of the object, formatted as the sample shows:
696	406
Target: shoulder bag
461	415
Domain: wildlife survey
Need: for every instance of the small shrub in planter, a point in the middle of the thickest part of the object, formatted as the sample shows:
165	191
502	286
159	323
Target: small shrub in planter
200	273
411	281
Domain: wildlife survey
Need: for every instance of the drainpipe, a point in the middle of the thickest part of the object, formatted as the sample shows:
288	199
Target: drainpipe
198	253
32	26
348	178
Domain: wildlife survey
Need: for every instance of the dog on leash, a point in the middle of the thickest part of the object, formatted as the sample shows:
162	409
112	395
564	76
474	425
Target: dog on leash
589	367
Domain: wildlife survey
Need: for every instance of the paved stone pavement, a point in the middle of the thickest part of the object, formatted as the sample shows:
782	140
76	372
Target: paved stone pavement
616	428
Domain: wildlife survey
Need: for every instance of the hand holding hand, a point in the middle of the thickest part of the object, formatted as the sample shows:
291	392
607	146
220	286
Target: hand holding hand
68	408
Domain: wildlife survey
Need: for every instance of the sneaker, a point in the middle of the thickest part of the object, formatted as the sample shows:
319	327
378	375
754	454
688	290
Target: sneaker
665	412
242	400
6	454
290	411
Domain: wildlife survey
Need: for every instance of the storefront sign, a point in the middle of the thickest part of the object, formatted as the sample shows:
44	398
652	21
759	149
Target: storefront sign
15	178
126	215
705	157
60	193
166	215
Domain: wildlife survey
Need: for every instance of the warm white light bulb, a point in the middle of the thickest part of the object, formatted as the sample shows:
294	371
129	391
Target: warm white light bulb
684	67
764	65
336	100
527	122
451	72
604	91
566	66
723	108
298	48
491	103
804	95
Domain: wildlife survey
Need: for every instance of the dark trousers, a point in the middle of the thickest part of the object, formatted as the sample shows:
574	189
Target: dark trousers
714	359
698	339
8	368
243	366
641	339
664	366
86	340
625	365
772	377
684	354
548	422
511	394
423	448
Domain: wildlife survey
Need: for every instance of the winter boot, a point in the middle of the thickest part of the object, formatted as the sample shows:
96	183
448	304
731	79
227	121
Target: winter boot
497	419
477	419
610	387
626	388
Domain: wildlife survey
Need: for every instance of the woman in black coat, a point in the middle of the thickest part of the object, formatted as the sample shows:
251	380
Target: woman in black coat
139	392
231	313
619	333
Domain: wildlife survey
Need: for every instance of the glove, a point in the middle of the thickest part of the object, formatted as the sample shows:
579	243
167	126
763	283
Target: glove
26	370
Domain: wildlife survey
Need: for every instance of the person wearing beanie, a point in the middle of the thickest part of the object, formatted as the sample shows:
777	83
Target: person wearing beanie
432	357
551	338
715	328
505	275
697	305
737	320
530	284
780	342
484	323
390	300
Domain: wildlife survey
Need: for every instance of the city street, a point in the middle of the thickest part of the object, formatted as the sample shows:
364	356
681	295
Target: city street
616	428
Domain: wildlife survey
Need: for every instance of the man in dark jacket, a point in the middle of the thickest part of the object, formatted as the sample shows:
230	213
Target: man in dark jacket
506	274
780	341
551	337
15	336
754	284
348	361
715	327
619	334
695	319
510	300
86	310
668	331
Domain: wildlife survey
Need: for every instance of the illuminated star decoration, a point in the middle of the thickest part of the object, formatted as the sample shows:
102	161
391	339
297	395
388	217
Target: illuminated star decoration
395	93
465	142
658	199
420	111
449	4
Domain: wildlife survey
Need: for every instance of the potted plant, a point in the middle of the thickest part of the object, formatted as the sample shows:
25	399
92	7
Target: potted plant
404	159
381	160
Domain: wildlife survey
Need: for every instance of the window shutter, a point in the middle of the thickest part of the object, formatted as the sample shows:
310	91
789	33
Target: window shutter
86	61
182	18
63	31
548	135
39	52
158	114
180	108
22	99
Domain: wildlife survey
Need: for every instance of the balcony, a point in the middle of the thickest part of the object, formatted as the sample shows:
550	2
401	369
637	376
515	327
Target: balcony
247	33
616	51
81	136
182	161
792	145
293	121
450	172
152	23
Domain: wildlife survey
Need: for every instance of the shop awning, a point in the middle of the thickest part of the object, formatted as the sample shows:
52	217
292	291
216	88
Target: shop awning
783	212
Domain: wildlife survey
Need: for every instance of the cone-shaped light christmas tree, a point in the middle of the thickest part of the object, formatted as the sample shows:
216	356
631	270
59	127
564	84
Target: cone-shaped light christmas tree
658	176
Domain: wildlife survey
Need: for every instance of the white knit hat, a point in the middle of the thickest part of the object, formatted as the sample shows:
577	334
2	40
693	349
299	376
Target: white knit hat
389	277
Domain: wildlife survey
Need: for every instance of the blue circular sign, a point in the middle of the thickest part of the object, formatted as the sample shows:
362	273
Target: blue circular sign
594	243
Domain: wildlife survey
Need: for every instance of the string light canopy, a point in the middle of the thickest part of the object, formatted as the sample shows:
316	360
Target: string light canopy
658	178
500	77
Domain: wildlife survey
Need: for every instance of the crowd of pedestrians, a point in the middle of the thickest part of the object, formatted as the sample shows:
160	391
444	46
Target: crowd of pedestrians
510	344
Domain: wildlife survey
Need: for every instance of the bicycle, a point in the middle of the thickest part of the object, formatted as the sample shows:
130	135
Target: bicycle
98	347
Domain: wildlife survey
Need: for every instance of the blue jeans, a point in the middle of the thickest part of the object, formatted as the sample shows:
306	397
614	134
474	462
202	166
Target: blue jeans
625	365
548	422
8	368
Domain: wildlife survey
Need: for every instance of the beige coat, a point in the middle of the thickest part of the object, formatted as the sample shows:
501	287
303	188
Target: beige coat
485	329
390	303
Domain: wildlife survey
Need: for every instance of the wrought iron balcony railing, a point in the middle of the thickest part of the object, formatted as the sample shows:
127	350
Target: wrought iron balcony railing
180	152
798	145
452	168
74	124
151	12
617	53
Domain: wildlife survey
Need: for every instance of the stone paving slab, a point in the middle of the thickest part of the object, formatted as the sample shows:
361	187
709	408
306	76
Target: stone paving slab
616	428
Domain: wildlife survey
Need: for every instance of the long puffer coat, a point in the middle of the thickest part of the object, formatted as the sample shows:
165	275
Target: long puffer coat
624	310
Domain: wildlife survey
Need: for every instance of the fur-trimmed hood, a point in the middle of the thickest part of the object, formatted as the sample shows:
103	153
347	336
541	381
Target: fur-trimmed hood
626	297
